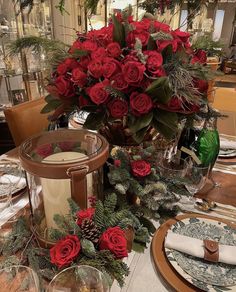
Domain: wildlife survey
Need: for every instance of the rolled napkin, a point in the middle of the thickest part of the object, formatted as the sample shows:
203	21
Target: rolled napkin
195	247
227	144
20	184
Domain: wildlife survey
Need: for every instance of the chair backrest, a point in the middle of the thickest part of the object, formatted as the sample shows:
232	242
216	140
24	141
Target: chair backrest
25	120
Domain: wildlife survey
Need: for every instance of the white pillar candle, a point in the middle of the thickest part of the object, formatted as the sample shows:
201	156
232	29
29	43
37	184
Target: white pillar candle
57	191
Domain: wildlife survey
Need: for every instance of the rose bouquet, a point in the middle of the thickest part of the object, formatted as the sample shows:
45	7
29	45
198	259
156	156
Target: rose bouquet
132	77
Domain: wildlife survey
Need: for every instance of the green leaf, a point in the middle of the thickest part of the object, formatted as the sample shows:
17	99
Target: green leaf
160	90
79	53
151	44
51	106
147	223
94	121
165	123
138	247
139	136
137	123
118	31
49	98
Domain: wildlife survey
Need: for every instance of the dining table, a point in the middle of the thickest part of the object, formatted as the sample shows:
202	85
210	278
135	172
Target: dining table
144	274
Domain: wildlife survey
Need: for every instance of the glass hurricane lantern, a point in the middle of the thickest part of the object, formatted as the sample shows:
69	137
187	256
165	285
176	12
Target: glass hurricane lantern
60	165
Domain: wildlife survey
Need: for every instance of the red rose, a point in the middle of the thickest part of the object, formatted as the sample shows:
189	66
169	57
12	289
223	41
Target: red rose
118	82
114	240
140	103
118	108
161	26
114	50
84	214
154	61
64	86
100	53
83	62
65	251
95	68
79	77
175	103
110	67
161	45
66	145
140	168
143	36
201	85
200	56
183	36
117	162
76	46
89	45
103	36
133	72
44	150
98	92
67	65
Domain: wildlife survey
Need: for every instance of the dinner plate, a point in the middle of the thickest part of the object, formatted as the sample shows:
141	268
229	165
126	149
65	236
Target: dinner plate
163	265
227	153
205	275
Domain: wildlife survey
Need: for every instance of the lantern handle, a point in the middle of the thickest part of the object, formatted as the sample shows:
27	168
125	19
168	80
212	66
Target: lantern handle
77	168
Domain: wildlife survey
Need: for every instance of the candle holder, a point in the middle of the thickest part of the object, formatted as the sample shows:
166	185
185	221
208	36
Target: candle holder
60	165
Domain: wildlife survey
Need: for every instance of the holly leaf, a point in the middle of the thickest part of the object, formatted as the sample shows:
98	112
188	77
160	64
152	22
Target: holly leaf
51	105
94	121
137	123
160	90
118	31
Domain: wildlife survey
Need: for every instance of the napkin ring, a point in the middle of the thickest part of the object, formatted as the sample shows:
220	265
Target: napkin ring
211	250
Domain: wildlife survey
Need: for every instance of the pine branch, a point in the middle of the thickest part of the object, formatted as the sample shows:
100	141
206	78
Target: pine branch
110	204
99	217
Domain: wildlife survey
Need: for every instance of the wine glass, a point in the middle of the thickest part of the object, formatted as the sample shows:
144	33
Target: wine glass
79	279
19	278
196	177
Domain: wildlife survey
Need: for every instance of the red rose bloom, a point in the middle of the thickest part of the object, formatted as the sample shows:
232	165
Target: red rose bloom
98	92
79	77
154	61
68	65
83	62
133	72
200	56
95	68
143	36
44	150
201	85
64	86
89	46
76	46
100	53
175	103
119	82
66	145
114	240
161	45
114	50
110	67
140	103
183	36
161	26
140	168
118	108
65	251
84	214
117	162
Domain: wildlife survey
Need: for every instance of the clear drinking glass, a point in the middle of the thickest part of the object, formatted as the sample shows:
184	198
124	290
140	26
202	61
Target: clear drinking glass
196	177
19	278
79	279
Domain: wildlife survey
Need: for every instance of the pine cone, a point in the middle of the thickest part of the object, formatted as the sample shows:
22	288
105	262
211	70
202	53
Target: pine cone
90	231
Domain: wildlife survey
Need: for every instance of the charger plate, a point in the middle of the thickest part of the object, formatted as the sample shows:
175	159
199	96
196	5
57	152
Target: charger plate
161	261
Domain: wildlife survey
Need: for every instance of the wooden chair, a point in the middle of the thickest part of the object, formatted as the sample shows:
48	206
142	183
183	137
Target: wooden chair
25	120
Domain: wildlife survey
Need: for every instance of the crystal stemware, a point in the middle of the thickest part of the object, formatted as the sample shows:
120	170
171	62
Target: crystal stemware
79	279
19	278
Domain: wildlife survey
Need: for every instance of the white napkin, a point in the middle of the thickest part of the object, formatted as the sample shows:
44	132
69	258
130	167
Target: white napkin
14	180
194	247
227	144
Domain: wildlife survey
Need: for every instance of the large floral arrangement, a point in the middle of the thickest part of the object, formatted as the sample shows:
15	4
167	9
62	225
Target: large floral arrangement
132	76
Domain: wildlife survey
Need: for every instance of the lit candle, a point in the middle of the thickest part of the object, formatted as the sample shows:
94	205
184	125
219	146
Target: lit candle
57	191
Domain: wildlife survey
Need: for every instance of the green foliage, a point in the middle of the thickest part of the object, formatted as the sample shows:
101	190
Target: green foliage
52	104
88	248
206	43
99	216
74	208
118	31
61	7
110	204
160	90
135	124
94	121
